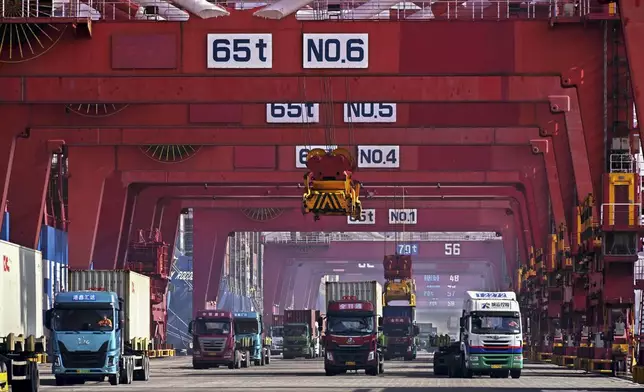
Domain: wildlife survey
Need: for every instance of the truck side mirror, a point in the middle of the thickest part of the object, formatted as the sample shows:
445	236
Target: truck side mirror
416	330
462	329
48	315
121	323
320	322
190	328
461	322
380	320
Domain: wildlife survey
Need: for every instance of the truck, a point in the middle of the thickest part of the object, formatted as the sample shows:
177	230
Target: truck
276	333
101	328
22	338
301	336
490	337
250	333
353	323
400	332
215	342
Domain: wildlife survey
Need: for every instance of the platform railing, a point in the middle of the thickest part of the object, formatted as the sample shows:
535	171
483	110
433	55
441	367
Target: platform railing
614	211
318	10
292	238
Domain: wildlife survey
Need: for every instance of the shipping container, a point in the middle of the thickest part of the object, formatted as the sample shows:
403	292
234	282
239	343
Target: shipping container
399	311
55	276
277	319
20	277
370	291
303	316
133	288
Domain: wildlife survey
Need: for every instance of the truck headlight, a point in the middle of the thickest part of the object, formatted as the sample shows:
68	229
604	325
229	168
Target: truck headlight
408	349
329	356
518	358
372	355
196	352
474	358
110	361
57	362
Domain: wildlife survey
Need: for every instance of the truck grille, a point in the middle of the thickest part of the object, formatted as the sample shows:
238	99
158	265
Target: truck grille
83	359
359	357
491	345
212	344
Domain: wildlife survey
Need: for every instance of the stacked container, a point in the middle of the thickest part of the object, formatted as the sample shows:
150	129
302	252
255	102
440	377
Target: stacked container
53	245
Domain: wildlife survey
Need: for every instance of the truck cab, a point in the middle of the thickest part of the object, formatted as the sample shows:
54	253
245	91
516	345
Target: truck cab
400	338
300	340
250	336
491	335
87	340
351	337
213	340
277	339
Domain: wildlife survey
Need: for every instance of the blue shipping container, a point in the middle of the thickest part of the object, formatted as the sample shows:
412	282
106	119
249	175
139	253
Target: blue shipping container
4	229
399	311
53	244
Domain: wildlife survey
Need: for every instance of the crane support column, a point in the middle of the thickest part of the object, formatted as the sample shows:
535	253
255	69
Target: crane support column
111	222
88	169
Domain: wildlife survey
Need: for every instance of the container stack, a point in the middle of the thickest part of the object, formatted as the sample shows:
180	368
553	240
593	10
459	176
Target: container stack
399	308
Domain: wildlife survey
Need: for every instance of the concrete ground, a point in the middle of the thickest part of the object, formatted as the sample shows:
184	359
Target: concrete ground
176	375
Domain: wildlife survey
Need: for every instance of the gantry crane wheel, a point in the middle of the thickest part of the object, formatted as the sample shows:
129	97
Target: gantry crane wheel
95	109
262	214
170	153
20	42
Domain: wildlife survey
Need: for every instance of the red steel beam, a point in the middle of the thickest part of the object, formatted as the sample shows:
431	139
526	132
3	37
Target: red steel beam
203	88
286	135
463	219
373	251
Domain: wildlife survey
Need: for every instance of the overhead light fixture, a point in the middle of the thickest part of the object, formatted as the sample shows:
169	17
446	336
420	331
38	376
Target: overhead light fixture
338	270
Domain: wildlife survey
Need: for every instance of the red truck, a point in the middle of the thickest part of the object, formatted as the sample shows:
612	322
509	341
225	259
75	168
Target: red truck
351	337
213	341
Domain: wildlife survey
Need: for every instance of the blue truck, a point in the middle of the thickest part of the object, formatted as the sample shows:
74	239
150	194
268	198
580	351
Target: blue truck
248	327
88	340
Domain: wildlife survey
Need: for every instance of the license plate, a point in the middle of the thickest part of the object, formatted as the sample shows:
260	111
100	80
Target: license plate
82	371
211	354
351	364
496	366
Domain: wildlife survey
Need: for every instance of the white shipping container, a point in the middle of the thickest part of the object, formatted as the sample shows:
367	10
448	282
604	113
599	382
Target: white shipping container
133	288
365	291
20	277
54	275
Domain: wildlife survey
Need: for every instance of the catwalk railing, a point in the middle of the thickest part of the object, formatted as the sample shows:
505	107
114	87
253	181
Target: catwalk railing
59	11
284	237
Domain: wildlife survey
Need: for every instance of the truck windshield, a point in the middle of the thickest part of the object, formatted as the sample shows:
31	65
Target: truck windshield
502	324
246	326
396	330
276	332
212	327
295	330
350	325
83	320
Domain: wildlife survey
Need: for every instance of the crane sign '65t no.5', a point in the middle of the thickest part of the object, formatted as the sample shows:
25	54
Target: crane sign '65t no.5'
328	186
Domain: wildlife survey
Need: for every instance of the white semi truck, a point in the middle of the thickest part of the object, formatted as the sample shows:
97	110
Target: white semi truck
490	336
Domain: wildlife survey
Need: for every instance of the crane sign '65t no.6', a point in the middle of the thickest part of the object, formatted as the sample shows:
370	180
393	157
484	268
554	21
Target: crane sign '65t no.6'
328	186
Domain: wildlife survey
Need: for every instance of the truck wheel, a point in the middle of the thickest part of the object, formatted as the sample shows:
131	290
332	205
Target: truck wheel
257	362
245	361
268	359
381	367
329	372
515	373
32	384
60	381
231	365
237	363
143	374
114	379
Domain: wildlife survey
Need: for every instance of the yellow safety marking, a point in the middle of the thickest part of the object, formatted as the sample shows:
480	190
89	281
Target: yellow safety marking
621	179
327	202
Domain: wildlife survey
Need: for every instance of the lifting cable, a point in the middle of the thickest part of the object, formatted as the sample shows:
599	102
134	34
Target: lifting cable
307	125
329	120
